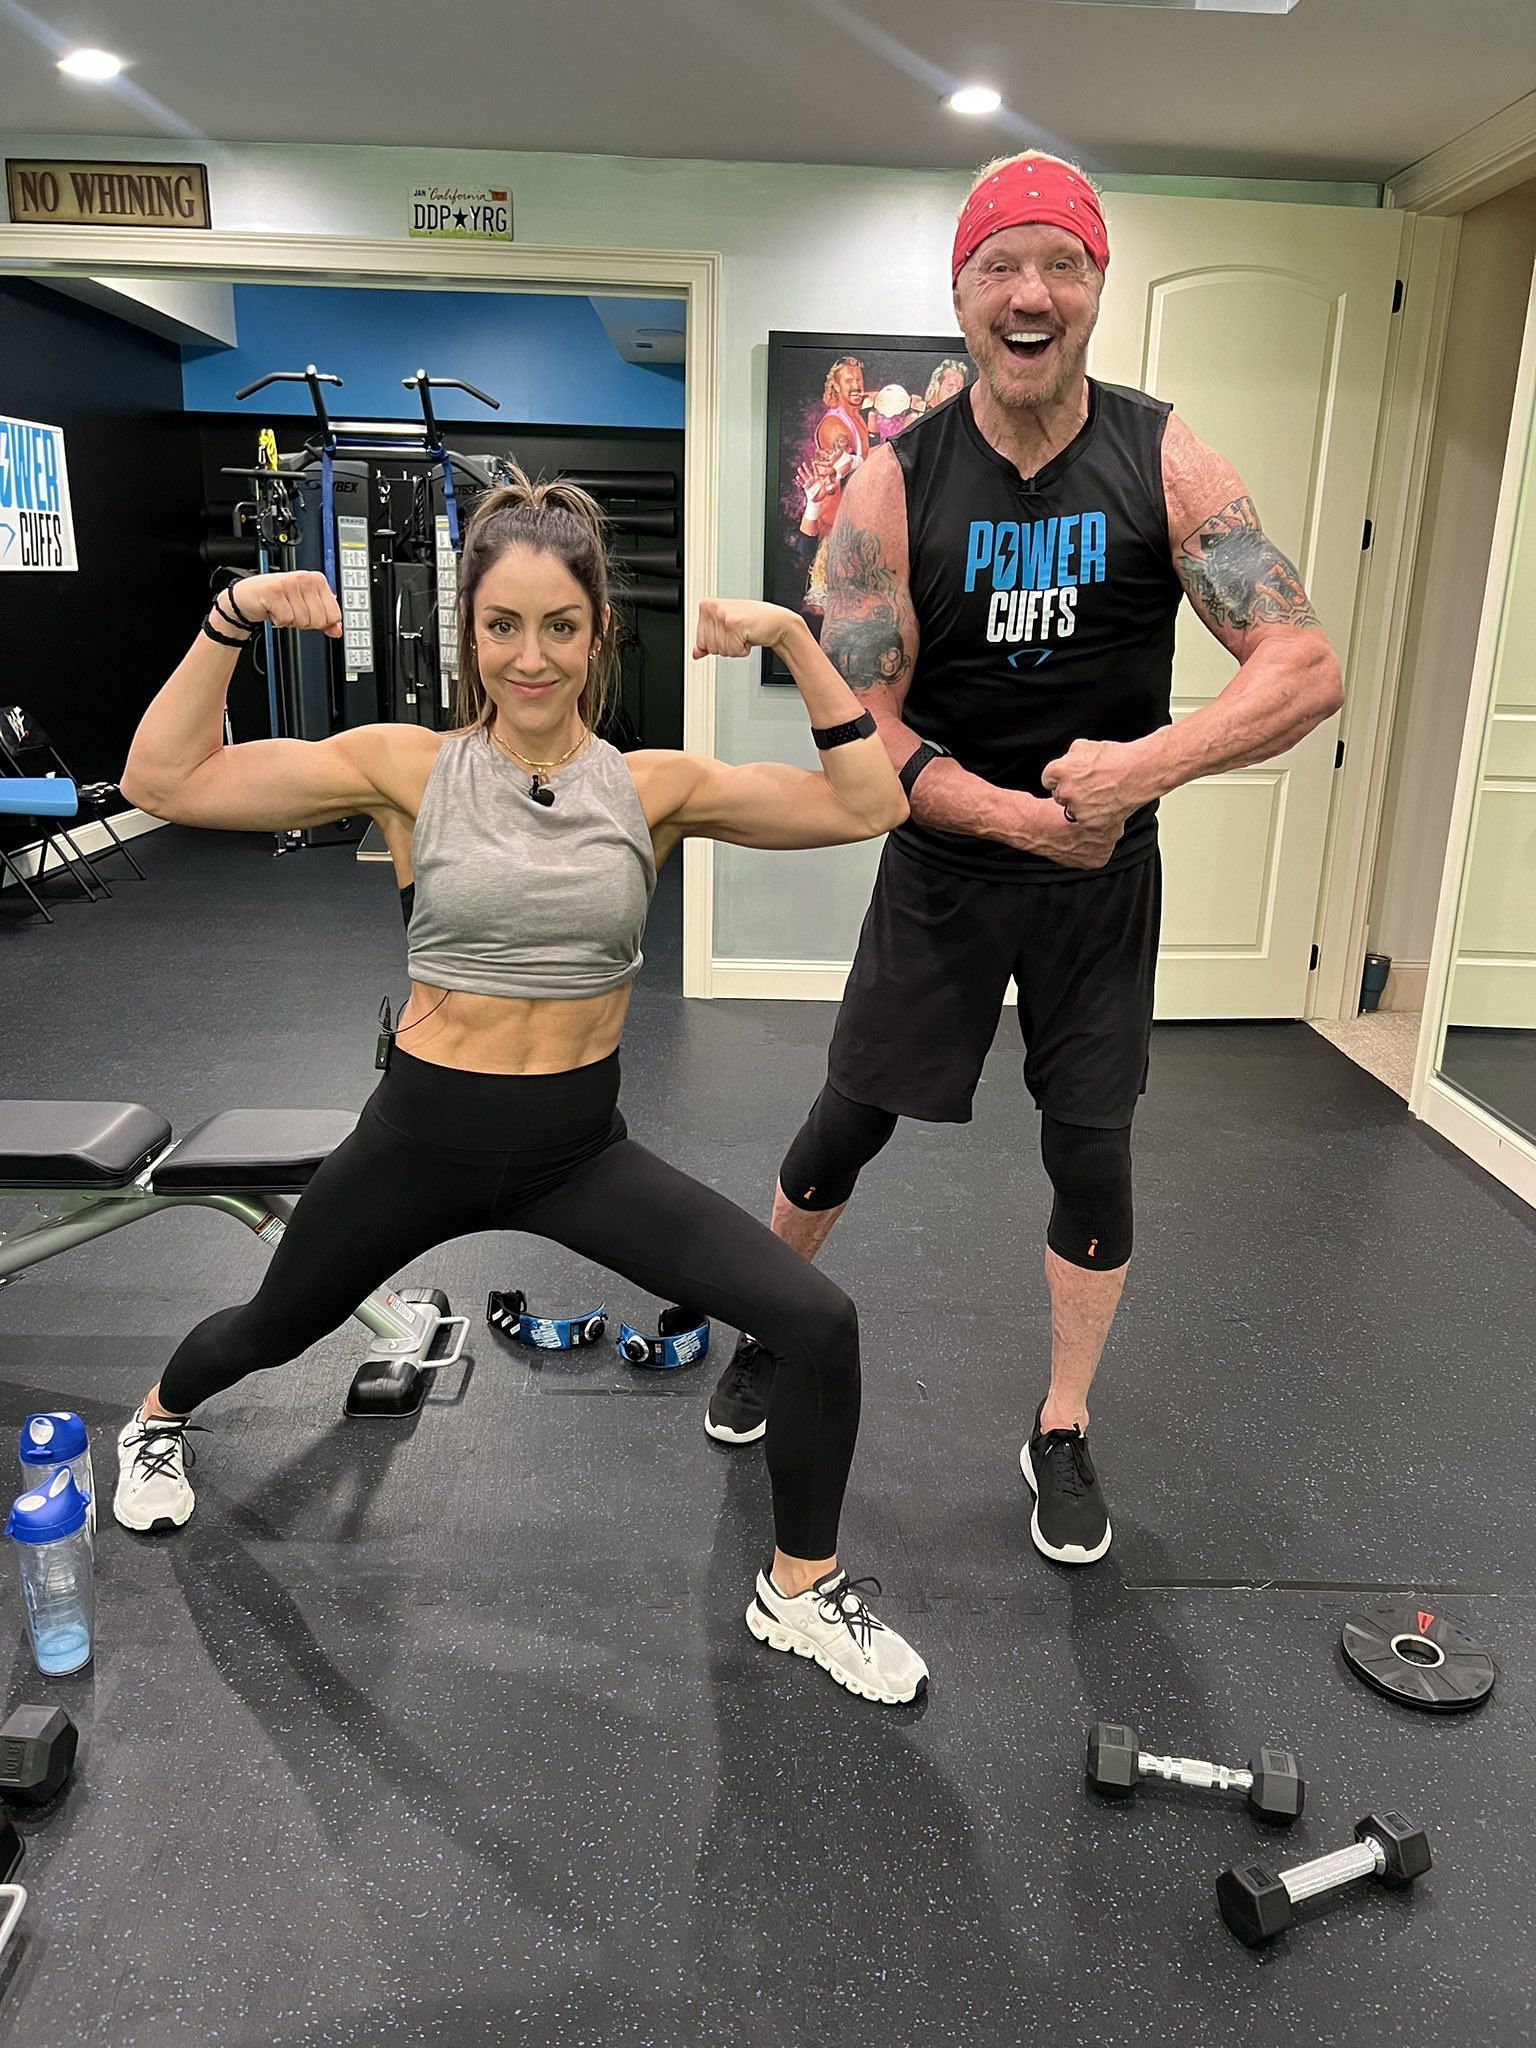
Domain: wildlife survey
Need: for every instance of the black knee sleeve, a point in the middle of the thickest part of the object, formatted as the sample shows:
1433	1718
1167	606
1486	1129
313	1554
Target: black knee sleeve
1091	1173
833	1146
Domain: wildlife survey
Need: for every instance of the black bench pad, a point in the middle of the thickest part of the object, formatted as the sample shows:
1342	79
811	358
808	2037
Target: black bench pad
254	1152
78	1144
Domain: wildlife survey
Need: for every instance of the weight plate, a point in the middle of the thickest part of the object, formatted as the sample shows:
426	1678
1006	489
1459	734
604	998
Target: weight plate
1417	1657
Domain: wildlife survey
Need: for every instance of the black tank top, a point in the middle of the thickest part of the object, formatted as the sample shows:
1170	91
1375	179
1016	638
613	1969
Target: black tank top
1045	609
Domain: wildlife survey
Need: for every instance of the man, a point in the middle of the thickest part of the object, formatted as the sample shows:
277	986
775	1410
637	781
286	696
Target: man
1027	549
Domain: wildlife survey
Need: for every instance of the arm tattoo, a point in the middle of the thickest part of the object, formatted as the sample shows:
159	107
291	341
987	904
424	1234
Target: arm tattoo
1238	577
861	632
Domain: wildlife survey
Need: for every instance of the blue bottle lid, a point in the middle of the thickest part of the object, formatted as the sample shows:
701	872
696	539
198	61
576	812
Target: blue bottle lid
52	1439
59	1510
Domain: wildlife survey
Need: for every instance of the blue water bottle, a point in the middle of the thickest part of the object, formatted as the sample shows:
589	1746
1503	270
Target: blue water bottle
58	1581
49	1441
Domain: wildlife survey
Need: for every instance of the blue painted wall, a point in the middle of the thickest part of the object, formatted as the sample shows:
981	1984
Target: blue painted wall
547	359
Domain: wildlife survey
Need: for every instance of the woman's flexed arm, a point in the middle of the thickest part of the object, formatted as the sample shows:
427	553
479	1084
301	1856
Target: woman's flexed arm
178	765
856	795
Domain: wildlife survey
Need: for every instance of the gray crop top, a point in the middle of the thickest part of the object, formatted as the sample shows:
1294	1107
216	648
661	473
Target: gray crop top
514	898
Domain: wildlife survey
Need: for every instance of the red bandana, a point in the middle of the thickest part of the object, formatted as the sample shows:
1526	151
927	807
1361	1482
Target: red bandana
1028	194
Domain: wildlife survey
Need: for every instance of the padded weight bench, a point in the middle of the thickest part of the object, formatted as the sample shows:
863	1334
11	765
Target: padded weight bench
91	1167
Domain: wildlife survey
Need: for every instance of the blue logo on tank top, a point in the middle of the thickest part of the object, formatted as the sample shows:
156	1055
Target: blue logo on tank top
1032	570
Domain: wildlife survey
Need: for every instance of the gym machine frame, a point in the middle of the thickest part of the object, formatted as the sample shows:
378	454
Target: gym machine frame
281	510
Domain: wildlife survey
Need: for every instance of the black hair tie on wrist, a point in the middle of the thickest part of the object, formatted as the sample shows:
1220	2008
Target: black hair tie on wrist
223	638
250	625
237	622
858	728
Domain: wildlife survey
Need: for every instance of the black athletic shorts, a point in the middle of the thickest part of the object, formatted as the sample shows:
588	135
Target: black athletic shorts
935	953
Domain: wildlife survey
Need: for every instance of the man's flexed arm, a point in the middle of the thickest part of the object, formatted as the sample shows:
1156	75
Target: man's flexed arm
870	635
1250	597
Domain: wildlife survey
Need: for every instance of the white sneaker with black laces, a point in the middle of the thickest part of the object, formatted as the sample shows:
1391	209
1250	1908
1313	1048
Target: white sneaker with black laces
831	1624
153	1492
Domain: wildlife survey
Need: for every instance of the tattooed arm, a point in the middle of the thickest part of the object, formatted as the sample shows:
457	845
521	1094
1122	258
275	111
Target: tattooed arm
1251	598
870	634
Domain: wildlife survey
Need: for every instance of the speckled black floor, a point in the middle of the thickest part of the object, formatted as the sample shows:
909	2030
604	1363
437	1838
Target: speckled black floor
452	1732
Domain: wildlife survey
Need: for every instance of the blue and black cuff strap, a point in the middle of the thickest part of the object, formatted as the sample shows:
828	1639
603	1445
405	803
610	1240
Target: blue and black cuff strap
508	1312
682	1338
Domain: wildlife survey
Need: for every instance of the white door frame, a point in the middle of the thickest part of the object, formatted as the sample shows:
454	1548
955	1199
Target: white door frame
1490	159
691	275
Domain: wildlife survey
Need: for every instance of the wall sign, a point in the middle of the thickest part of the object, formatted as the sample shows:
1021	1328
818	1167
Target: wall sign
458	213
37	529
107	195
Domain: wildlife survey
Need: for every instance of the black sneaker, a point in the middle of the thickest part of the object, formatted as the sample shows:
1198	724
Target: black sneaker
738	1408
1070	1522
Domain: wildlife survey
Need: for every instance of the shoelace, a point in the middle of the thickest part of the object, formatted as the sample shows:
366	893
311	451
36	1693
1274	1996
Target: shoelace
1067	1473
855	1617
156	1445
744	1370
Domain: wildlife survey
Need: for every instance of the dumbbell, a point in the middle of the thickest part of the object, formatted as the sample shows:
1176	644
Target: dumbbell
37	1753
1273	1782
1257	1903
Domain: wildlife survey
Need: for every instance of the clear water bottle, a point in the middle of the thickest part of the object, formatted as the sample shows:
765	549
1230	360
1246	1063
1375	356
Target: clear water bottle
49	1441
58	1581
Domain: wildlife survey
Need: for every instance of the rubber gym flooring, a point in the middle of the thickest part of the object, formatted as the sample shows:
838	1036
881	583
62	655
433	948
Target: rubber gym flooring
451	1731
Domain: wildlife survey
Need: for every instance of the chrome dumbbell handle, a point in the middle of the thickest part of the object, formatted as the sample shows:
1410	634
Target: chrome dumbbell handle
1193	1770
1365	1858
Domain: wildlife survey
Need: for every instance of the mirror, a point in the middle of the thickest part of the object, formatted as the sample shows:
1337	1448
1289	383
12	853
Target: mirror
1488	1028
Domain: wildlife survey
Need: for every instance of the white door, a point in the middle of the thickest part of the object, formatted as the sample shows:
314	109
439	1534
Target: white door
1267	327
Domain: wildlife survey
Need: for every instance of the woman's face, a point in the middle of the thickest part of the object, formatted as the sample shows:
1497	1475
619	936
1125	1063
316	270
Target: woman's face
533	638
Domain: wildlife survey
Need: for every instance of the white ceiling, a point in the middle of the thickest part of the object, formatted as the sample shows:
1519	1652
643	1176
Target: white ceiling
1349	90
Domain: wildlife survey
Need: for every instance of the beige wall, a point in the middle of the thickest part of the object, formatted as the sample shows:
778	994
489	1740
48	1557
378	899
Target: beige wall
1493	283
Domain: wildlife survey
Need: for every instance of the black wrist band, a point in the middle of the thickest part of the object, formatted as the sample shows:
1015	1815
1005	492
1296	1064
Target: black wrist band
250	625
237	622
917	762
858	728
223	638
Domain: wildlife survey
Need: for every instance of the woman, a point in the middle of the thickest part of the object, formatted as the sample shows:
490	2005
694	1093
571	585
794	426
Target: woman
528	849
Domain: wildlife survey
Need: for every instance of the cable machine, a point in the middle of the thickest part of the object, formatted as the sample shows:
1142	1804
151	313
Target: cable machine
375	506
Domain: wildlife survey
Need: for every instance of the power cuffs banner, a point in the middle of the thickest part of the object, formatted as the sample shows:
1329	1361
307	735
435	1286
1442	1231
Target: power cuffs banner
37	530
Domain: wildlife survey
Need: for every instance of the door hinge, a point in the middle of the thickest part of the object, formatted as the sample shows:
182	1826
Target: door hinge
1397	295
1365	539
1338	755
1316	956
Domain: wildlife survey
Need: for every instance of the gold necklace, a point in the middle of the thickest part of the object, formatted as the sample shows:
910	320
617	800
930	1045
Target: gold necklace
537	767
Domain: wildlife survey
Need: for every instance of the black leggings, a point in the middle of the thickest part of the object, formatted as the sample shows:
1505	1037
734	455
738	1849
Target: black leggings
439	1153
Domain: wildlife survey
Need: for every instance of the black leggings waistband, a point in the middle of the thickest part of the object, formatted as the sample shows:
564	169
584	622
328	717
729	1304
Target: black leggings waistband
463	1111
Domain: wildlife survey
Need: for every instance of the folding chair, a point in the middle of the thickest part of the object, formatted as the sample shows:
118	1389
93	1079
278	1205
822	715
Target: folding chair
27	750
33	799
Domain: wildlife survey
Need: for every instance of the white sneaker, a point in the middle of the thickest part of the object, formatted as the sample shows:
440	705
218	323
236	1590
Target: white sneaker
152	1488
831	1623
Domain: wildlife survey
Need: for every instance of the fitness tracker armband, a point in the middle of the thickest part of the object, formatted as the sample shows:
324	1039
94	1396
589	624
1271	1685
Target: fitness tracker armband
858	728
930	750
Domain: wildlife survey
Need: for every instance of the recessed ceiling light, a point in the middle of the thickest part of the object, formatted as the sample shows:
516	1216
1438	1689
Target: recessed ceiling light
974	99
93	64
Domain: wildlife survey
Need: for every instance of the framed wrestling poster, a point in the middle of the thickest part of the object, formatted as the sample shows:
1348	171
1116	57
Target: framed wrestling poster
831	399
